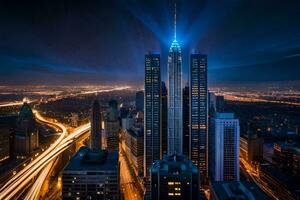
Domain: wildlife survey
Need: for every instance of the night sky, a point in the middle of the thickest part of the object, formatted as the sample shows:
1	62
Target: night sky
104	41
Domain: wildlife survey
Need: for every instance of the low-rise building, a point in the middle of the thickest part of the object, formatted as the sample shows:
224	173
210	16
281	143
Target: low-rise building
91	175
174	177
226	190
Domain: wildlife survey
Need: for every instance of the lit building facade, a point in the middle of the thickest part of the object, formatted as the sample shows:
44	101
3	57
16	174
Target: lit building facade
224	151
174	177
134	148
175	99
152	119
91	175
251	148
199	112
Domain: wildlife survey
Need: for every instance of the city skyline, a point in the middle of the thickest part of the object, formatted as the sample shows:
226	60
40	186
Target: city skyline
211	114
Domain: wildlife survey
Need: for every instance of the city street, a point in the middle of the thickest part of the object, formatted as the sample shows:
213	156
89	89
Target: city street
127	183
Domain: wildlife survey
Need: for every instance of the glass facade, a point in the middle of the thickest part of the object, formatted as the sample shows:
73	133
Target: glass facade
175	99
152	129
198	111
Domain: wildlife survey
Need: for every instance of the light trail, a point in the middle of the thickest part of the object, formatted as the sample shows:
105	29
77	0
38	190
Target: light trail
34	192
252	172
16	103
22	178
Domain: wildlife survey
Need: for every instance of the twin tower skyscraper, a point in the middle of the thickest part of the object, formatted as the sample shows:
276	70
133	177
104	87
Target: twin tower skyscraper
198	109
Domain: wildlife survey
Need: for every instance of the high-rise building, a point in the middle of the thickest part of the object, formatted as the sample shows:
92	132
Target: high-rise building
26	135
174	177
164	119
112	126
139	101
212	104
91	175
186	121
152	129
224	148
95	138
220	104
175	96
134	148
199	112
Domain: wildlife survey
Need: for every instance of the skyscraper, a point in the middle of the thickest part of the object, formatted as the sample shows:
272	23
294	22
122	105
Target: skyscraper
175	96
186	121
164	119
198	111
152	135
95	138
224	151
27	134
139	101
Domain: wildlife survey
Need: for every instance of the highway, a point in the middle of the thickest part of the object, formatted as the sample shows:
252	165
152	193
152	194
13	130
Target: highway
252	172
42	162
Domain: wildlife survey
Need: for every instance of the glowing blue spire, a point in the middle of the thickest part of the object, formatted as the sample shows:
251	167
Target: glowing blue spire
175	22
175	46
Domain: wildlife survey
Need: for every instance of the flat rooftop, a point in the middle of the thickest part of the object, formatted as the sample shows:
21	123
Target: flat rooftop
238	190
87	160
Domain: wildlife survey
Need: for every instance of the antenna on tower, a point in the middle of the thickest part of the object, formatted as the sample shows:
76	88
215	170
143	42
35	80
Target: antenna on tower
175	20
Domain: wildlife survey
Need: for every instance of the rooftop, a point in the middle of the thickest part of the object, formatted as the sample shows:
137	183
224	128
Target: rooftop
225	115
174	164
87	160
238	190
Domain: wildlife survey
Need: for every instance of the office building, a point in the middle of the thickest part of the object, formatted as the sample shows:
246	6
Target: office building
175	97
220	104
74	119
112	126
152	128
186	121
224	149
26	138
251	147
174	177
164	119
91	175
96	122
199	112
134	148
139	101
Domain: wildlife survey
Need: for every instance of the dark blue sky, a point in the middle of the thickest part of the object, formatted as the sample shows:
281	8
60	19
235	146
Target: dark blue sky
87	42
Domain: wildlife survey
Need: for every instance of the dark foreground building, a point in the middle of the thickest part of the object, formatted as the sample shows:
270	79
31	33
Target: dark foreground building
174	177
92	175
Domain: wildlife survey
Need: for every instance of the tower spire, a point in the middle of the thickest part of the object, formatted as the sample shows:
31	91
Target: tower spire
175	20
